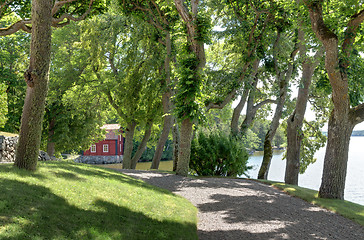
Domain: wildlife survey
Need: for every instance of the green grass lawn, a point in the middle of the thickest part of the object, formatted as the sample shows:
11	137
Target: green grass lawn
347	209
63	200
163	166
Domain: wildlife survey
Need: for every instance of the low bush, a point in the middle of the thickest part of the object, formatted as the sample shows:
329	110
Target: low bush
218	154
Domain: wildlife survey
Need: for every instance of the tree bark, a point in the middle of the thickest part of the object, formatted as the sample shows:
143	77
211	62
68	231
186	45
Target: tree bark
37	85
176	140
342	119
142	146
184	151
294	139
267	157
336	157
166	101
128	147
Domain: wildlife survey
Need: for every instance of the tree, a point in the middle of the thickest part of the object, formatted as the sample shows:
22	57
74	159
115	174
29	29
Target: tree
254	103
162	17
337	63
14	53
190	77
74	109
246	23
44	15
37	80
282	77
126	62
295	121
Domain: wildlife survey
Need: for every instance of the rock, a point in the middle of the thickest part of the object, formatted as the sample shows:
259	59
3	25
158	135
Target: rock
43	156
99	159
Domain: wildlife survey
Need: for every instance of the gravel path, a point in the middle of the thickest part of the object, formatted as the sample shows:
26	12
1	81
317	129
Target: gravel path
242	209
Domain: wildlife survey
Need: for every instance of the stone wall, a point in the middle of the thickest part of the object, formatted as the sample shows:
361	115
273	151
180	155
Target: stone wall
8	148
99	159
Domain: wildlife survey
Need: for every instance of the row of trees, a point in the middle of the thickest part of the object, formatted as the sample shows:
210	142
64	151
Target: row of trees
153	60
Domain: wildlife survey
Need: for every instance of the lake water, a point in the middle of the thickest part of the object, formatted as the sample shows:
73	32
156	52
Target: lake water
354	188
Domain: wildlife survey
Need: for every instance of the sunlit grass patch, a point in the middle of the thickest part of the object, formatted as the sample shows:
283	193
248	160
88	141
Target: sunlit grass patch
63	200
347	209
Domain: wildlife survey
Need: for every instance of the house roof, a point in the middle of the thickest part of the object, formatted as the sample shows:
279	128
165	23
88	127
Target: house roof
112	131
111	127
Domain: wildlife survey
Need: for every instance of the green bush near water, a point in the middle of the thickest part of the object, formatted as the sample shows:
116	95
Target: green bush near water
218	154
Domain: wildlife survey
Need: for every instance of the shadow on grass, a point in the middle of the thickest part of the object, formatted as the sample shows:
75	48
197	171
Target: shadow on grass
72	171
33	212
9	167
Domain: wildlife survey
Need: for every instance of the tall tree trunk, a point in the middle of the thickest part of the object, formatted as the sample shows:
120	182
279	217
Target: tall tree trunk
37	85
128	147
336	157
184	151
142	146
267	157
176	140
50	143
167	119
342	119
283	80
197	48
295	120
294	139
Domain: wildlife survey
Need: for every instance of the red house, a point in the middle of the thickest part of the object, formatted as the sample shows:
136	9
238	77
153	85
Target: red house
112	145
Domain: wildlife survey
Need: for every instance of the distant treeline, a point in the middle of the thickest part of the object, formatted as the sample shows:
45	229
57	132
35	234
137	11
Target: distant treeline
356	133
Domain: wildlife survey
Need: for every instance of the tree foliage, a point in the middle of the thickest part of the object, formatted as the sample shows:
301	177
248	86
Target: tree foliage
74	110
14	52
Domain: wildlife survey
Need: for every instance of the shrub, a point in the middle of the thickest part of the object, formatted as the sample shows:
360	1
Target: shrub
218	154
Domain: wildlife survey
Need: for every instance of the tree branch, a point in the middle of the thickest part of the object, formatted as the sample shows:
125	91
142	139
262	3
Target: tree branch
221	105
20	25
232	93
58	4
182	9
357	114
319	27
56	22
350	35
262	103
3	5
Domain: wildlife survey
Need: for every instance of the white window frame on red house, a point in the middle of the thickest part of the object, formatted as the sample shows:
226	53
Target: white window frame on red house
93	148
107	148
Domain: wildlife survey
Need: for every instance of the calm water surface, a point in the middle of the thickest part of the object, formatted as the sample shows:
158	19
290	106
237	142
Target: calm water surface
354	188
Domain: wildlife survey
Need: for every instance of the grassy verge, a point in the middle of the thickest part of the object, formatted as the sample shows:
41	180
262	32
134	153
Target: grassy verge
347	209
163	166
6	134
63	200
